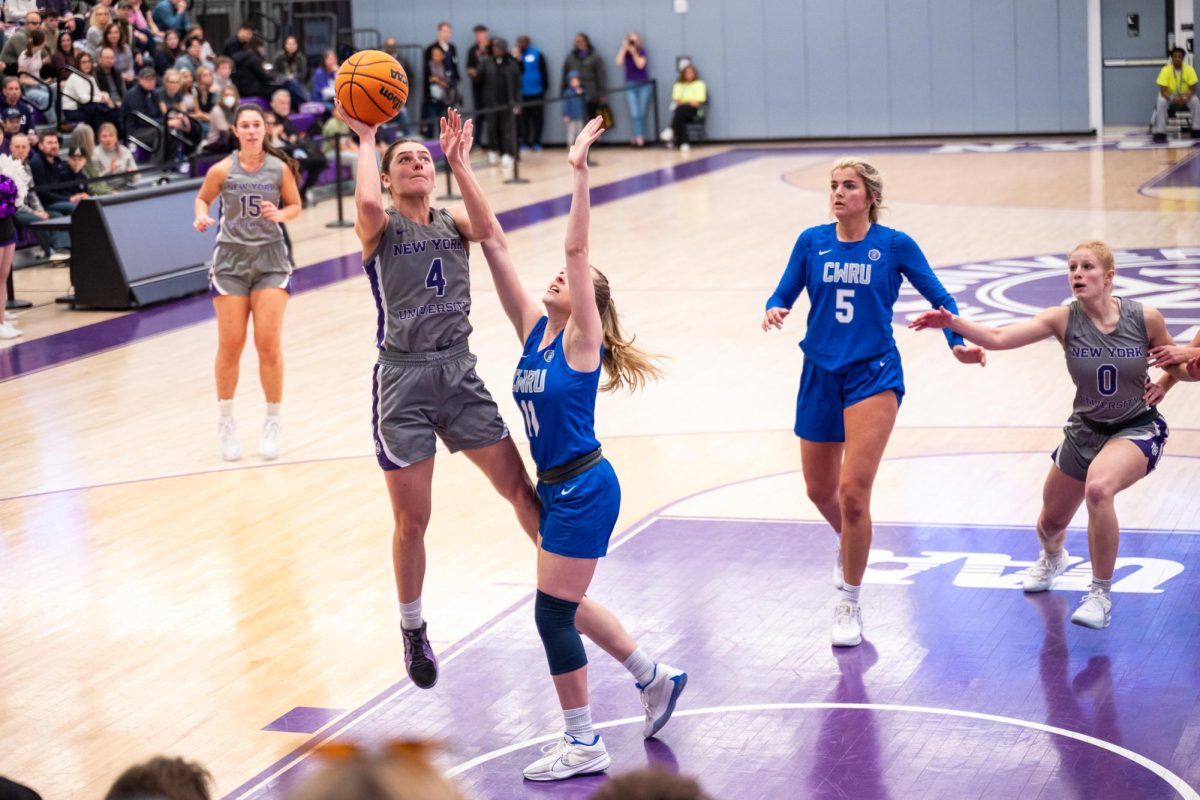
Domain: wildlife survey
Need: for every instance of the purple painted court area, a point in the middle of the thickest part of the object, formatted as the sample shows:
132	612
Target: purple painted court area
958	691
304	719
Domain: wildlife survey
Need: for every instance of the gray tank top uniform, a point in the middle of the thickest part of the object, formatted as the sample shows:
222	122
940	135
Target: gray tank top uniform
1109	371
425	381
242	195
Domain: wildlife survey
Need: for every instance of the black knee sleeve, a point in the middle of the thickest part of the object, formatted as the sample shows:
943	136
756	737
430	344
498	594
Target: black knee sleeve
555	620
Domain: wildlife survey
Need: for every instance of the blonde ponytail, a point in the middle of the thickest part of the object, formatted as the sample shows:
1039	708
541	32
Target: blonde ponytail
628	366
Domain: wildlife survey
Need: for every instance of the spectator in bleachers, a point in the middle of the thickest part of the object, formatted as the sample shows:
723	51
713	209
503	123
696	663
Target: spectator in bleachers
10	126
176	111
113	158
207	56
163	778
52	177
171	14
86	173
291	67
238	42
223	73
100	19
632	56
124	60
64	54
1176	85
500	85
82	137
16	42
299	145
323	76
688	96
57	244
108	78
52	24
143	25
443	43
206	95
220	138
29	69
82	98
168	52
584	60
345	147
193	56
142	98
13	100
139	40
574	105
534	80
249	71
480	51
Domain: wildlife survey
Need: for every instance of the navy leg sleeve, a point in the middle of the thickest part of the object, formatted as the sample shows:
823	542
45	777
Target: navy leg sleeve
555	620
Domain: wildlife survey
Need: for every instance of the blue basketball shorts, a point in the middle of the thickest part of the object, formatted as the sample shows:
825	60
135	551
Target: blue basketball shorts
579	514
824	396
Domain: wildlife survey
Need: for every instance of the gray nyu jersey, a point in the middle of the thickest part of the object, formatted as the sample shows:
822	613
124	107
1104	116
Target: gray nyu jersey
422	284
1109	370
242	196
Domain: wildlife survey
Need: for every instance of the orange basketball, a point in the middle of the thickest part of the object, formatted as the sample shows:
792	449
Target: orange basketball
371	86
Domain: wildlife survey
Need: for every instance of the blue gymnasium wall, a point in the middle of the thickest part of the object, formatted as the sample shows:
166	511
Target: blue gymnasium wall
809	68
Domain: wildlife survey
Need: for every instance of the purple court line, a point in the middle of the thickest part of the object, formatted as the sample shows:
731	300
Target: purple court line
339	725
1184	174
88	340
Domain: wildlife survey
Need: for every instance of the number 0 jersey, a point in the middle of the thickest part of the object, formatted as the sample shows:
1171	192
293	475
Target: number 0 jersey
1109	369
852	287
242	196
557	403
420	276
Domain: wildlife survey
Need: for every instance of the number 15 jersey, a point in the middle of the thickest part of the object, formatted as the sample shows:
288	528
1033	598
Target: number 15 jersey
852	287
420	277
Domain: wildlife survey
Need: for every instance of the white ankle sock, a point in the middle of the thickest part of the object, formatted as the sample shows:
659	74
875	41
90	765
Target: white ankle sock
410	615
640	666
225	407
579	723
1103	586
273	409
850	592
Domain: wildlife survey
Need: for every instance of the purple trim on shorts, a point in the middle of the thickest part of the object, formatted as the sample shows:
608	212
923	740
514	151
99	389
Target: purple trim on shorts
380	455
1152	447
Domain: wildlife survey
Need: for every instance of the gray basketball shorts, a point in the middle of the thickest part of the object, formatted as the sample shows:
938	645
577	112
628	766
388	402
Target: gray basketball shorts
1081	445
239	269
419	397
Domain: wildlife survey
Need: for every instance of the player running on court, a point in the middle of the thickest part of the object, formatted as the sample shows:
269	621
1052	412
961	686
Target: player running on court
1114	436
852	382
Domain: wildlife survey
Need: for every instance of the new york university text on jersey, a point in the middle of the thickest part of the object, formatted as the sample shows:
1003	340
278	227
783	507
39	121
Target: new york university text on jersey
437	245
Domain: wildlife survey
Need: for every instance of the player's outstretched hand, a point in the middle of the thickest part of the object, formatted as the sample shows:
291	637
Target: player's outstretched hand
360	129
1166	355
932	319
578	156
968	354
774	318
456	137
1154	393
203	223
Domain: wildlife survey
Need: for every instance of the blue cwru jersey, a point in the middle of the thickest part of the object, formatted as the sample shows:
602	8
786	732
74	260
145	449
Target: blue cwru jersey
557	403
852	287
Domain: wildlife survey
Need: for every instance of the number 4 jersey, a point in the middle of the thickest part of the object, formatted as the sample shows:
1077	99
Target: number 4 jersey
242	196
421	281
852	287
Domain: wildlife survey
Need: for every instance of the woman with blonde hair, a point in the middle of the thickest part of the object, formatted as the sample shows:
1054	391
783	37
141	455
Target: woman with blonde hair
570	337
852	383
1114	436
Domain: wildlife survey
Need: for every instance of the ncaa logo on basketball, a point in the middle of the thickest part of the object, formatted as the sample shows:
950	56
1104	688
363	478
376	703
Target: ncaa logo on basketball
1008	290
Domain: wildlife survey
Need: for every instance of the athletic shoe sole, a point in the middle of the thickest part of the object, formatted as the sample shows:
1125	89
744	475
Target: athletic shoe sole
680	682
598	764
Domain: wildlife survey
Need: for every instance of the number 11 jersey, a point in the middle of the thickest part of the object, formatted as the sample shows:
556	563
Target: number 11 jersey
420	277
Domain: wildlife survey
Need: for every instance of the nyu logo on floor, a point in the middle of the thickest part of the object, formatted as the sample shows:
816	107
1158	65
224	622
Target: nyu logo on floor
1007	290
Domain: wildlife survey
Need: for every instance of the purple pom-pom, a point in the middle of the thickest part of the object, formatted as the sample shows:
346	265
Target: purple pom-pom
8	196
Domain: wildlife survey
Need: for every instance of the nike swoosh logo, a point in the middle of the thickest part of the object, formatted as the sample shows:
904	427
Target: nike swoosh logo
882	363
566	492
823	252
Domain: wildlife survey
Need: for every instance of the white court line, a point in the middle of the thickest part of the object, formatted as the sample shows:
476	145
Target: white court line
1174	781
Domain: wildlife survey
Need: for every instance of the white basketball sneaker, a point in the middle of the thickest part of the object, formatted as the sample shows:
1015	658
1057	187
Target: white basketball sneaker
659	696
1094	612
847	625
231	449
567	758
1043	572
272	430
